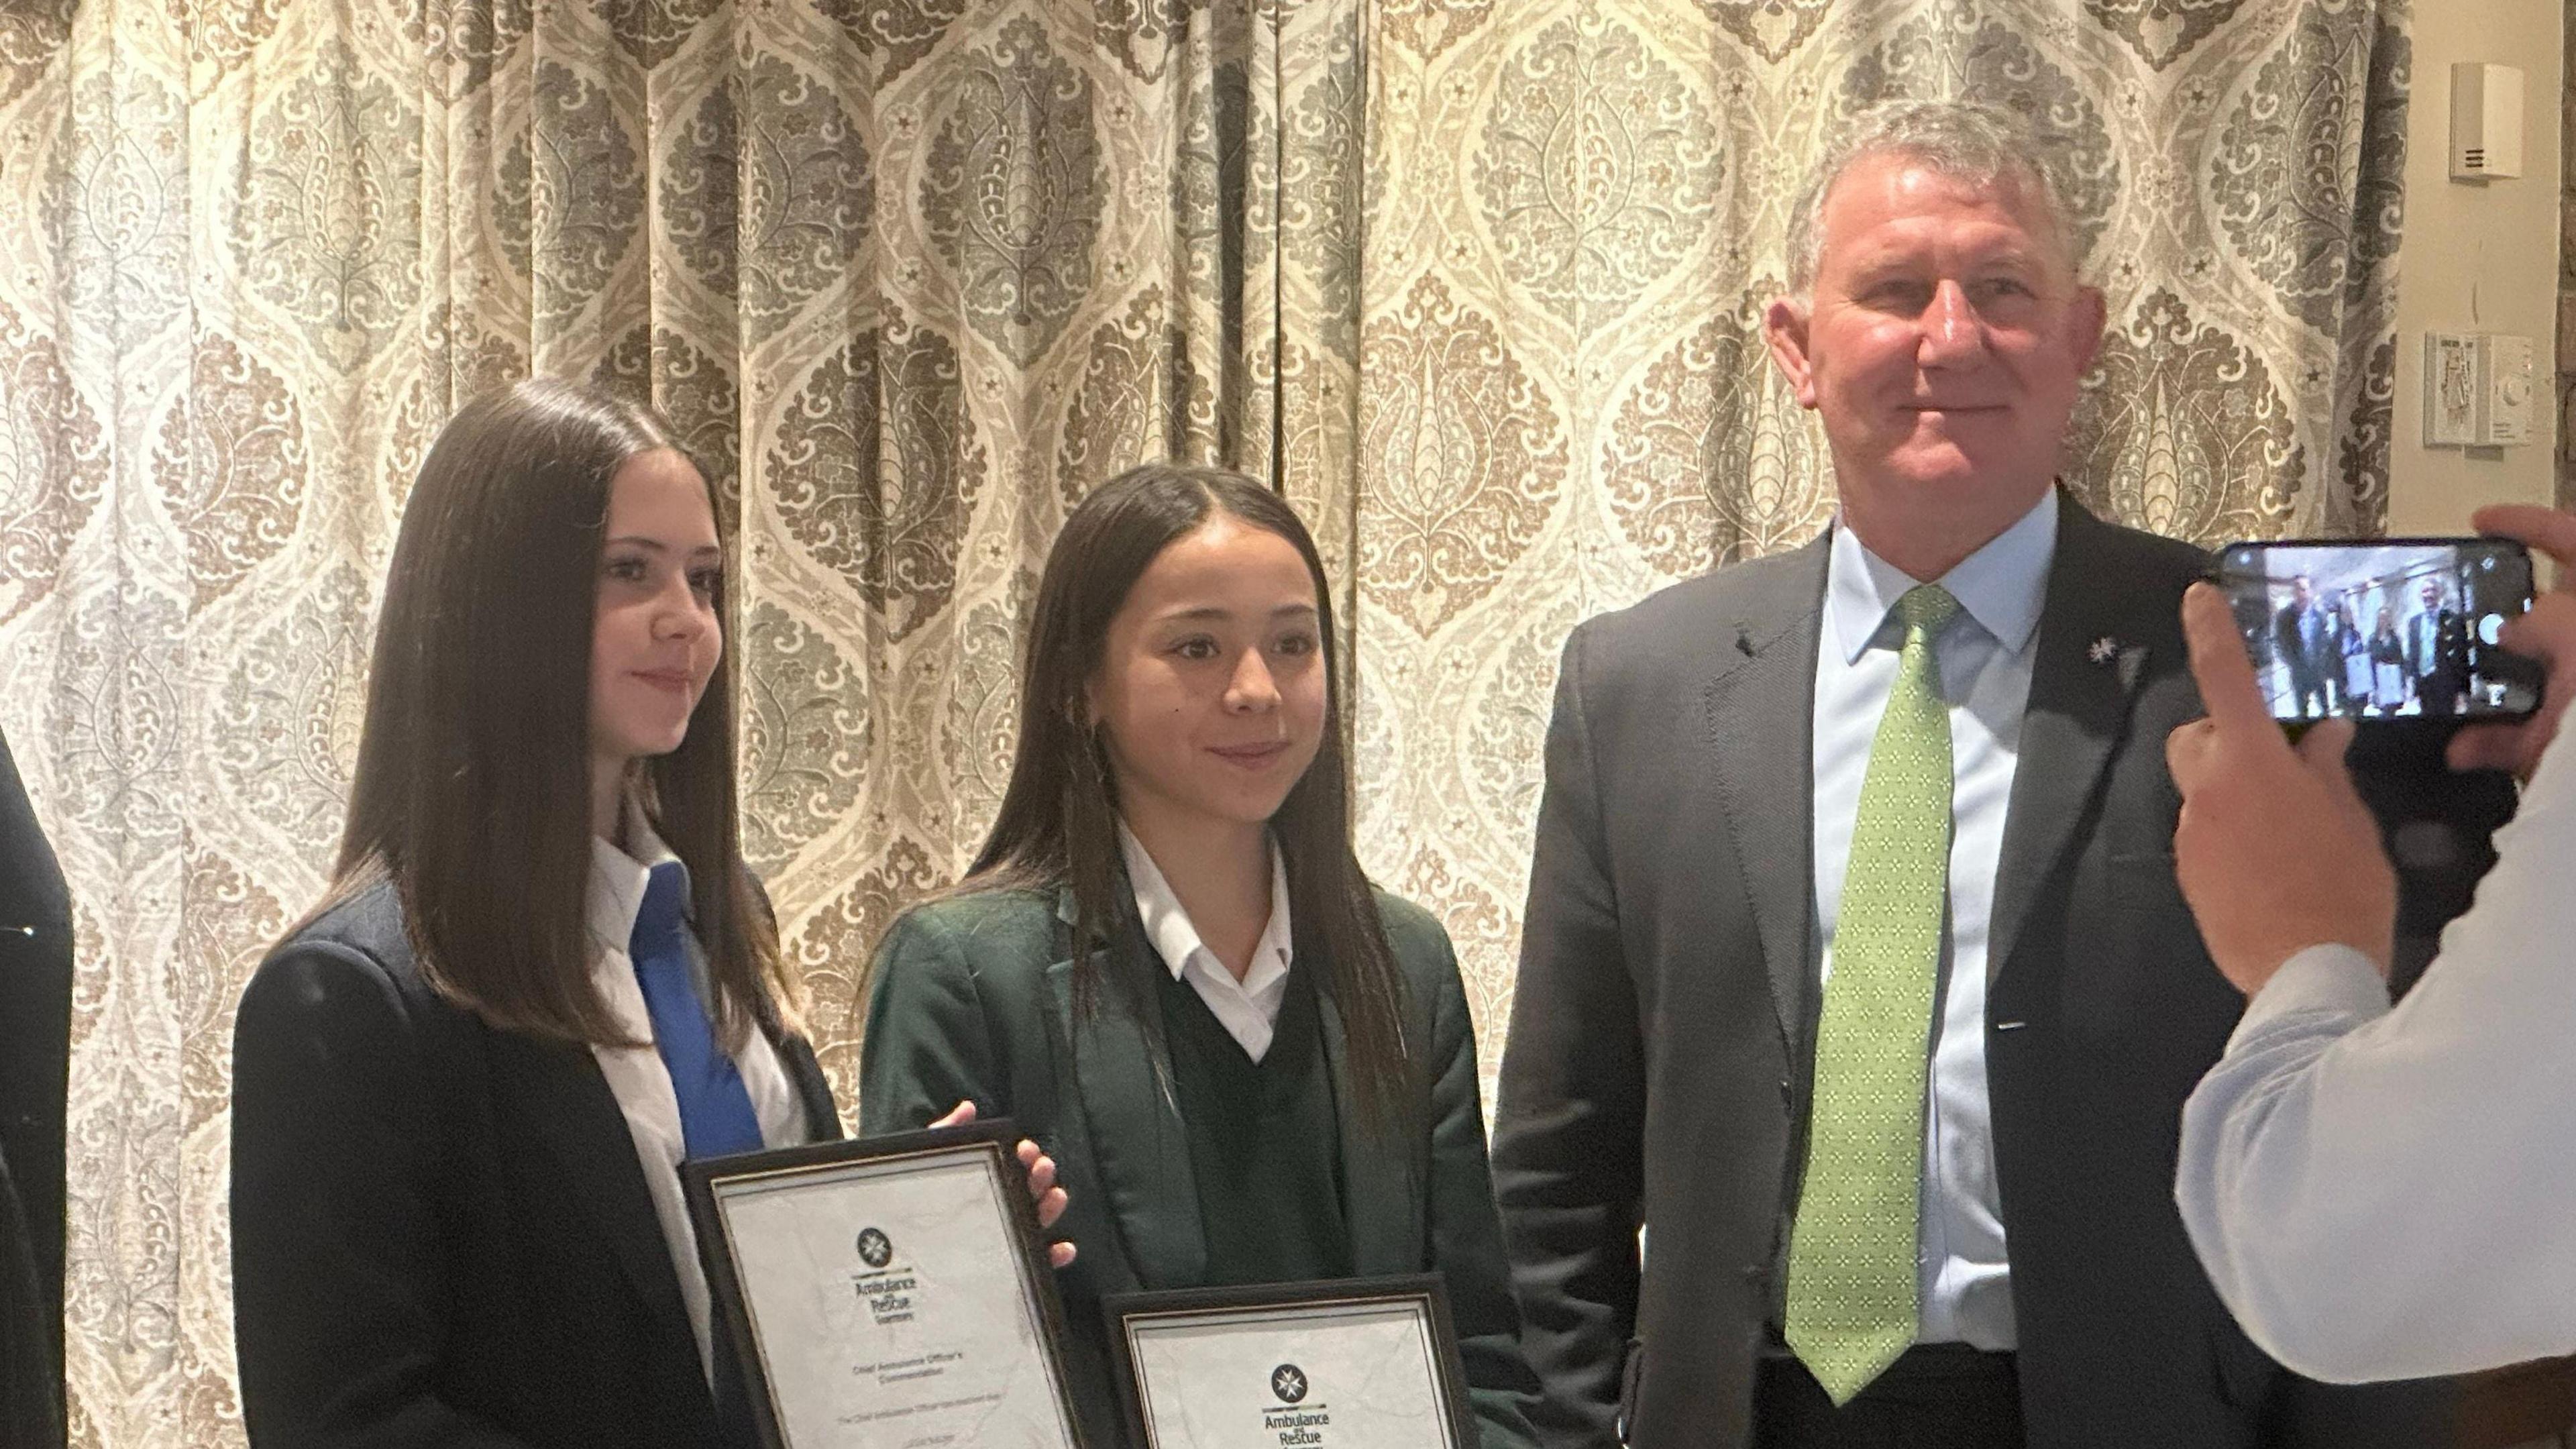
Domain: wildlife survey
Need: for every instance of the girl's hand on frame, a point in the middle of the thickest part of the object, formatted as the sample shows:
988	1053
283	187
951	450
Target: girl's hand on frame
1048	1197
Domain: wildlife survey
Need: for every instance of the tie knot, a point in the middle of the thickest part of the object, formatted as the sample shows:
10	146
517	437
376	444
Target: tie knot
1925	608
665	906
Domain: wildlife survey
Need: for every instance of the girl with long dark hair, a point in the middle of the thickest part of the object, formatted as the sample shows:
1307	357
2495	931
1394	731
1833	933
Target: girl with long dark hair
540	979
1167	965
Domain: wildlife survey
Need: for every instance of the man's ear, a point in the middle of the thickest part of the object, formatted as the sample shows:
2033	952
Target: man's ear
2088	318
1784	328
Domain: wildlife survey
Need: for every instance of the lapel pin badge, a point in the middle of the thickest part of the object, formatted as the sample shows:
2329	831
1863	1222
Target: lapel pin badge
2103	649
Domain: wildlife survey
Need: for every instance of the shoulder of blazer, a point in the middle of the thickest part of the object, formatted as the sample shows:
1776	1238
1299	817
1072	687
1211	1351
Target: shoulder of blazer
2145	573
994	931
2150	558
370	925
1420	942
1708	619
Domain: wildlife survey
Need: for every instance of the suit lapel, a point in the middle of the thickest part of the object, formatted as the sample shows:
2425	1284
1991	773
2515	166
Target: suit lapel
1760	708
1380	1190
1133	1122
2082	682
558	1091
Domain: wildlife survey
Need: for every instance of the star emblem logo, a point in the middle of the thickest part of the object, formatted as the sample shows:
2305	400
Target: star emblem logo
875	1249
1289	1382
2103	648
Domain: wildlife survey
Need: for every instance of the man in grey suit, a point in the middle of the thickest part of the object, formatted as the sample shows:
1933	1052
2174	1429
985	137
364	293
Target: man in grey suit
2437	652
1857	1004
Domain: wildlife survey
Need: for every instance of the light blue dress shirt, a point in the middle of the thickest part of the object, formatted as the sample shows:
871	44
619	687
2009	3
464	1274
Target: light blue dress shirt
1985	657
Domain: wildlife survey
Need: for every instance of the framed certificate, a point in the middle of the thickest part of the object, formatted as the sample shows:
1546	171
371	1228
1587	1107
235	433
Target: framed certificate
886	1293
1363	1364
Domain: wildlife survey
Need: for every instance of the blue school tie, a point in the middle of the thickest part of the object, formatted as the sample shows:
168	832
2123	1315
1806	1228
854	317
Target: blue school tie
715	1109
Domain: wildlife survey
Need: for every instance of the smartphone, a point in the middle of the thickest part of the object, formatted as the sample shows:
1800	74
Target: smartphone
2395	629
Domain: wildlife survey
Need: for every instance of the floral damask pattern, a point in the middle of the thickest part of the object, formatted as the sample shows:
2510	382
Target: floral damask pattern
804	735
1428	27
1321	190
2162	30
587	192
1598	172
1466	453
232	463
2281	176
2187	436
1478	287
876	469
1710	460
901	32
832	948
220	37
1141	34
652	31
809	199
1139	397
2361	457
114	186
1772	28
31	34
286	718
324	220
1014	193
53	463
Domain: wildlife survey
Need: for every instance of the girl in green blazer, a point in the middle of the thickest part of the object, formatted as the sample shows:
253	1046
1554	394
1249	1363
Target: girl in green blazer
1258	1068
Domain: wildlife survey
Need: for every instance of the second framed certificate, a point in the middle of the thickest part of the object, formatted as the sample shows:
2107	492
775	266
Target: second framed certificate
1364	1364
886	1293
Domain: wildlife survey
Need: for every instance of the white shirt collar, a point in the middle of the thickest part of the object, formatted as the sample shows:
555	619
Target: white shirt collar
617	878
1177	940
2002	585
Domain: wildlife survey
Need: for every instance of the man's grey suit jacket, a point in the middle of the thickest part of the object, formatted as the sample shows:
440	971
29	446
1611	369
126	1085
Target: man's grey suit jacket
1657	1068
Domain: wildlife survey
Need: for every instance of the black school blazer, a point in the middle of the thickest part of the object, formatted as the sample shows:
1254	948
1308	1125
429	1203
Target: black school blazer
441	1234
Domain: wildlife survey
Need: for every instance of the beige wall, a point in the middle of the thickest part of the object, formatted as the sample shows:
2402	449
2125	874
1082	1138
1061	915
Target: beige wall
2478	256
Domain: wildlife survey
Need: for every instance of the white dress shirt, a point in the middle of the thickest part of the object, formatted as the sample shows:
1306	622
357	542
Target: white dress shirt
2392	1194
1248	1009
638	1079
1985	661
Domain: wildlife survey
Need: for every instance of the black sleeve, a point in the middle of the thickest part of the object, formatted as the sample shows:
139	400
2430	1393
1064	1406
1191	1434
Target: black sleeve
336	1247
1568	1139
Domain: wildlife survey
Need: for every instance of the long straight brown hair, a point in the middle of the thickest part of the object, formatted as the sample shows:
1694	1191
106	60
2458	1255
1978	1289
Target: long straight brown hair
472	791
1058	823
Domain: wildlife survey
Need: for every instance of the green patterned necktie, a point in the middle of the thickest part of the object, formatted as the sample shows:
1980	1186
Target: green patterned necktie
1852	1287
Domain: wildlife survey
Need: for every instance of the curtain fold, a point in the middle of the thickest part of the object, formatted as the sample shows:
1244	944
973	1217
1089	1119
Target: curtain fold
1479	286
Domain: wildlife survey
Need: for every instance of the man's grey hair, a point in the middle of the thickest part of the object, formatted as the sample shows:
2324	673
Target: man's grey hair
1967	141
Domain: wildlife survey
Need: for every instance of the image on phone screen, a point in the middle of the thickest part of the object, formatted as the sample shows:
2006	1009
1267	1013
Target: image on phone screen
2397	629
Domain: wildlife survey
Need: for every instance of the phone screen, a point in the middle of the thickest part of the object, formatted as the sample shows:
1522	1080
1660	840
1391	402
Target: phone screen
2397	629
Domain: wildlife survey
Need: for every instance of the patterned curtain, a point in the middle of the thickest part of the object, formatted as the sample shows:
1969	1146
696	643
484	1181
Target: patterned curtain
1477	283
1574	218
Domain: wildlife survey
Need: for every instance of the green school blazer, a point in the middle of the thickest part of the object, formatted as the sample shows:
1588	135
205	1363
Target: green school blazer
971	1000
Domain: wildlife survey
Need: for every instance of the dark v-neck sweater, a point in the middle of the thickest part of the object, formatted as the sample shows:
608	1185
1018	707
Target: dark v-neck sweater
1265	1139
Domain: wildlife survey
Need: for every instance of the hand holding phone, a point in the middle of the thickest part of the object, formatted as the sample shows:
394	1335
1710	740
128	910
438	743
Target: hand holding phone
2547	633
2398	629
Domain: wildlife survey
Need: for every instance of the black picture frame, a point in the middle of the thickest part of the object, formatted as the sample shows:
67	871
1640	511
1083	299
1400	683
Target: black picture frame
992	1141
1124	1310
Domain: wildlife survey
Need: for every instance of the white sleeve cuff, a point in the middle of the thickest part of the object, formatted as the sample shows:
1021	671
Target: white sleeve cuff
2329	980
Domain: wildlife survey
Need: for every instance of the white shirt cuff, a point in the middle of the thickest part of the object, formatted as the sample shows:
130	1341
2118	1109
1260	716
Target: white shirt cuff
2332	980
